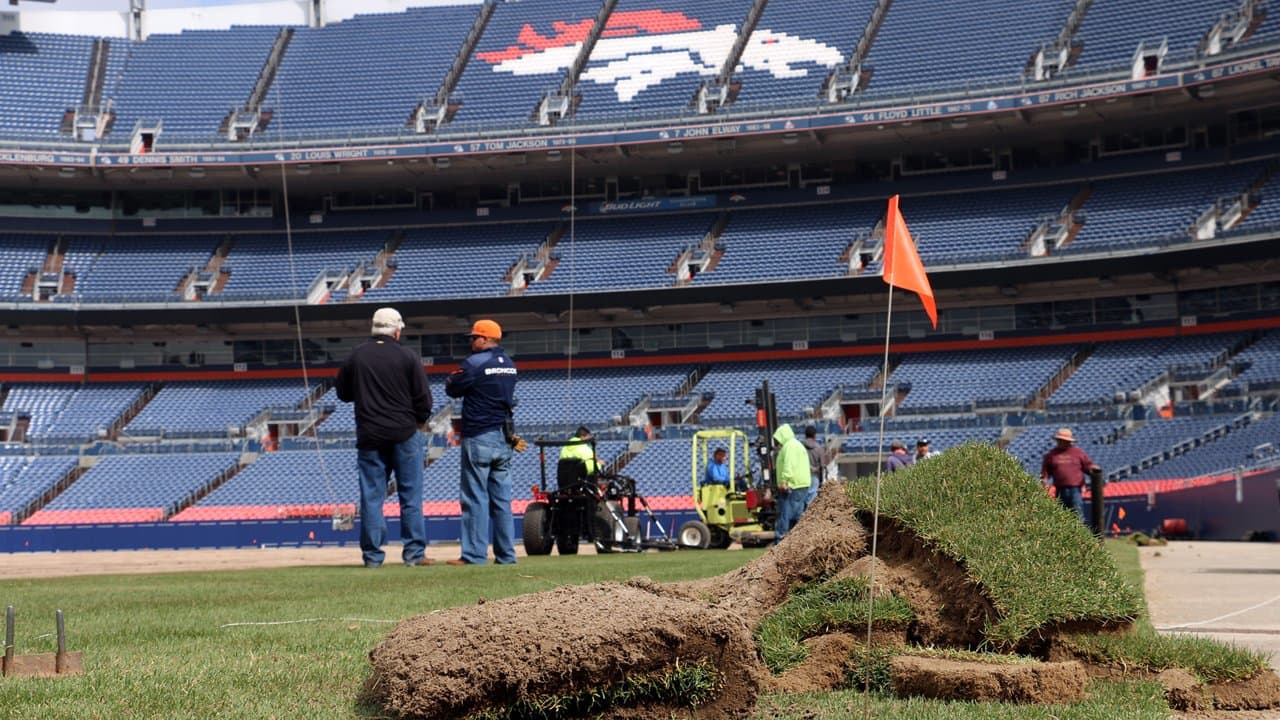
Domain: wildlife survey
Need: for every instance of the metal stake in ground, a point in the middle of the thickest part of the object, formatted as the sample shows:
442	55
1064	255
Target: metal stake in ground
60	659
42	664
8	641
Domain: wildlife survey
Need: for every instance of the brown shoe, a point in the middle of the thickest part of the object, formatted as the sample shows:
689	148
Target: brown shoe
456	561
420	561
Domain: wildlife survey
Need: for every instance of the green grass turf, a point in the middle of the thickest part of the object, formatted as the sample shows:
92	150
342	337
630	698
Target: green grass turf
1107	701
1036	561
821	608
154	647
683	685
1147	650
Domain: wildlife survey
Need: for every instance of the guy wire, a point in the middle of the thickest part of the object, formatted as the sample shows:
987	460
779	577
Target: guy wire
293	286
573	267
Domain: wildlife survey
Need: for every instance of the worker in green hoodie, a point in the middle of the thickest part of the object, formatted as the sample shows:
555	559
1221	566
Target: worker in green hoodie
792	470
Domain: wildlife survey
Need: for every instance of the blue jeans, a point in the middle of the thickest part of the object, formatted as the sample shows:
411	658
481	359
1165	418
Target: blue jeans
790	505
486	499
813	492
1071	500
376	467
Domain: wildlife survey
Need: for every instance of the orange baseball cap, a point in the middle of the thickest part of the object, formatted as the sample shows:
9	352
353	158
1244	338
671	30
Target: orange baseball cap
488	329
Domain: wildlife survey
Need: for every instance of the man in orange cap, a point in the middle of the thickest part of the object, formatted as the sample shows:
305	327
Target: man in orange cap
486	382
1066	466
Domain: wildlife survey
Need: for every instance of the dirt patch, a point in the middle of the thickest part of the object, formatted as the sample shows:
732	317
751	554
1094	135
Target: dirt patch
1260	692
1182	690
456	662
1041	683
827	538
824	669
830	658
951	610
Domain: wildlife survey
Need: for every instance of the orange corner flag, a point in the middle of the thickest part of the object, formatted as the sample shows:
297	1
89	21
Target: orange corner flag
902	266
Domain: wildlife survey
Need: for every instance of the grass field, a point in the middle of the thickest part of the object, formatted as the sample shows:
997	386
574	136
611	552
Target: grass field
167	646
156	647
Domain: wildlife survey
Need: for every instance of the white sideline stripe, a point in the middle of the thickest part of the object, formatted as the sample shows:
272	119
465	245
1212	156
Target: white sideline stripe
306	620
1220	617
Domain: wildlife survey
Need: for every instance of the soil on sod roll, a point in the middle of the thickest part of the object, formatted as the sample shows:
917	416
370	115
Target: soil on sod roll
951	611
489	657
1183	691
828	540
1260	692
1040	683
825	668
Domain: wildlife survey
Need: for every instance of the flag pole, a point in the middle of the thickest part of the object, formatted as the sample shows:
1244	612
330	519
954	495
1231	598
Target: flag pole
875	512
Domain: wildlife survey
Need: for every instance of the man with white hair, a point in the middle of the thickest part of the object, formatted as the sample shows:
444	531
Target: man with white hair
386	382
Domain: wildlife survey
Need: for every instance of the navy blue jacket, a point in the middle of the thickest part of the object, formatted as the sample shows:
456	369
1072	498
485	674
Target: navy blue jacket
386	382
486	382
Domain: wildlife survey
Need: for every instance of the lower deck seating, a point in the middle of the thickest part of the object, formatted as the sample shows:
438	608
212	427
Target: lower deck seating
24	479
195	409
135	488
298	483
1238	446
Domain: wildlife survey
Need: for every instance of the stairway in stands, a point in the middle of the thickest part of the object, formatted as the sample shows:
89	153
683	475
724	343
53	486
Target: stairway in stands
427	116
63	483
51	279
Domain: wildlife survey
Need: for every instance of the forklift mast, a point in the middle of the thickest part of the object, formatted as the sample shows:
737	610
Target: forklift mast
766	425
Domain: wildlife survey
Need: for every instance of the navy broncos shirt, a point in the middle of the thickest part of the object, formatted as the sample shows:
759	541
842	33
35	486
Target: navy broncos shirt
486	382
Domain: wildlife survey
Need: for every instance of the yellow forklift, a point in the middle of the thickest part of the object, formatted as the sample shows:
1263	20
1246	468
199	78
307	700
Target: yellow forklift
745	510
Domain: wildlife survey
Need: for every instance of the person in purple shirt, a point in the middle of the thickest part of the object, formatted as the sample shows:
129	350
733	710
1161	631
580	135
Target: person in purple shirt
898	457
1065	466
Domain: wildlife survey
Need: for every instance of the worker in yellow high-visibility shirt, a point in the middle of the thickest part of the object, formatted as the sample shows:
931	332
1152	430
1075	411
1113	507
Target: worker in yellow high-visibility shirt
580	449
